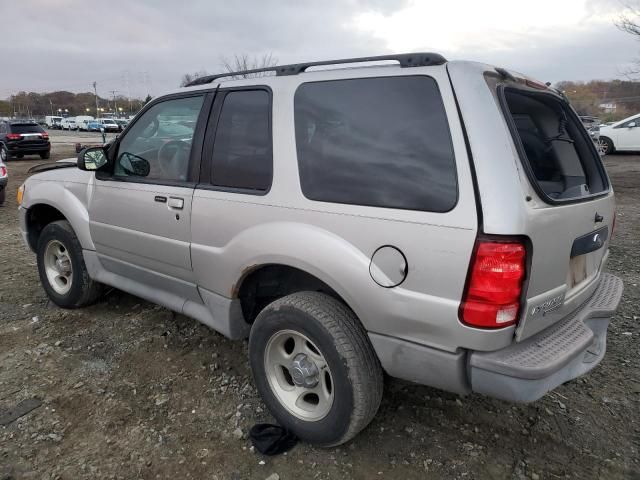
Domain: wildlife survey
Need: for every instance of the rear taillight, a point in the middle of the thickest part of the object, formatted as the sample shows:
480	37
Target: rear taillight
45	135
3	171
13	136
492	298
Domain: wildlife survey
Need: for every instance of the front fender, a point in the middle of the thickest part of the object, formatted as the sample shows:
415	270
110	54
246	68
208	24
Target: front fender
69	198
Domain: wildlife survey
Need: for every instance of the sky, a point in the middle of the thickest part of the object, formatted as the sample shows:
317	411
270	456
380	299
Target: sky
137	47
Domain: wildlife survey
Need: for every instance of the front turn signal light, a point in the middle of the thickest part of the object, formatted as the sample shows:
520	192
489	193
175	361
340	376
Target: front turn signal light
20	194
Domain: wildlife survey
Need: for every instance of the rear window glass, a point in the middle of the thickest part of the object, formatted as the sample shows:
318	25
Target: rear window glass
561	162
381	142
26	128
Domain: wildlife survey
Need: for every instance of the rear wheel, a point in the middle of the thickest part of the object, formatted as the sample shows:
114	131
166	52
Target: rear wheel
605	146
20	155
61	266
3	193
315	368
45	155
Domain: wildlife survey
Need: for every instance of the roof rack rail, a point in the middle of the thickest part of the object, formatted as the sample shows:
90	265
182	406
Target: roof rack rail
404	59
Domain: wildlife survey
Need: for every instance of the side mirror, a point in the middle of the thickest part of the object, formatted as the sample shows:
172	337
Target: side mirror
133	165
92	158
631	124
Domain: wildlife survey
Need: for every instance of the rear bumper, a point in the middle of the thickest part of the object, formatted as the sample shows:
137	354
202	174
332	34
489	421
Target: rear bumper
525	371
521	372
26	149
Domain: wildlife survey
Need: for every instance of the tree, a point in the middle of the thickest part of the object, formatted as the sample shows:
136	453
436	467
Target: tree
187	78
238	63
147	99
243	62
629	22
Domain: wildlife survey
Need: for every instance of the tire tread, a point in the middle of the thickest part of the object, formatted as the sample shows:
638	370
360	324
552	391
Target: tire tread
353	345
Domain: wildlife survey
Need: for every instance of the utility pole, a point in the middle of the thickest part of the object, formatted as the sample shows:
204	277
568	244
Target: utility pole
115	102
95	91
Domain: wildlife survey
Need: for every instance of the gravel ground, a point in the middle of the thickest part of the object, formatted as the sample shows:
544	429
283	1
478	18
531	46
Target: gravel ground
130	390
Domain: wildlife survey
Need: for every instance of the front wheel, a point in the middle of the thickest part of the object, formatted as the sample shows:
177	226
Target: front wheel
605	146
4	153
315	368
61	266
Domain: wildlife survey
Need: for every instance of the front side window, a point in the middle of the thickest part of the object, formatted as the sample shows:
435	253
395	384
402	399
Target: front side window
381	142
634	122
242	151
158	145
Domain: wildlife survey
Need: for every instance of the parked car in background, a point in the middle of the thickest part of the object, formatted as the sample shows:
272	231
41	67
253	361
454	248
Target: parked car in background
109	124
447	223
52	121
19	138
621	136
68	123
94	126
592	124
122	123
4	179
82	121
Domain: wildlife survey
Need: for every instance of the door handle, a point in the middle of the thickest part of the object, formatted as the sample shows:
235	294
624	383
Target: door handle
176	203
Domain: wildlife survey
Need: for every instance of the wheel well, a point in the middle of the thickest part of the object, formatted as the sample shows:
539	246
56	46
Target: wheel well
38	217
267	283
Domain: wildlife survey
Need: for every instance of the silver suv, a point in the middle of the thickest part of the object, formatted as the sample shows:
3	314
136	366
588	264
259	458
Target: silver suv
446	223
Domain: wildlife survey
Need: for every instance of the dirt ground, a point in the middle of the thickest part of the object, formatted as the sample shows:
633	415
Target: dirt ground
129	390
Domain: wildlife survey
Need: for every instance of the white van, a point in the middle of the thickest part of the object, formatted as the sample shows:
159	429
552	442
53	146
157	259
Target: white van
52	121
82	121
69	123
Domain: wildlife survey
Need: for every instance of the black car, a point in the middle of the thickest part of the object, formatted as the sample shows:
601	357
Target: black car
19	138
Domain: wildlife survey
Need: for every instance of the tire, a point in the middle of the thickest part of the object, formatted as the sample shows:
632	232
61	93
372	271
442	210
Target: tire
4	153
79	290
45	155
20	155
3	194
605	146
355	378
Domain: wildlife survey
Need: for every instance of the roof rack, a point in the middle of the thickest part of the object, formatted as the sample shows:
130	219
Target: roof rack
404	59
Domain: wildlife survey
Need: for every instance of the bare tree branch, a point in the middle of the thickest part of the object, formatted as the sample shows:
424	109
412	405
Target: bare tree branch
190	77
244	62
629	22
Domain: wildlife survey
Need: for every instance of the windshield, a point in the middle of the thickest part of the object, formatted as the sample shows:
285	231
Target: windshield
108	122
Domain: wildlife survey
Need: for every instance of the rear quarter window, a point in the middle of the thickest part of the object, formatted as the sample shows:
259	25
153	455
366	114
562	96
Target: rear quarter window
382	142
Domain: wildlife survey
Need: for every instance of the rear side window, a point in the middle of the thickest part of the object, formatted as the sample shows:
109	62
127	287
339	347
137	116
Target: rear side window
555	148
242	151
26	128
382	142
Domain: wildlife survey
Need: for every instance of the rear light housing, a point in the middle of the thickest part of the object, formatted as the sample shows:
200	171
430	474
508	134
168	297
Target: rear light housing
3	171
494	287
45	135
13	136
